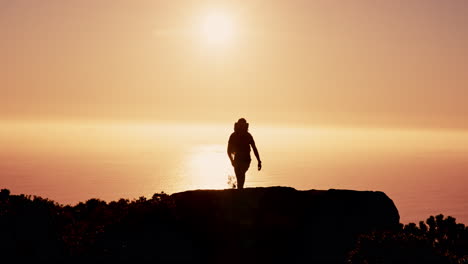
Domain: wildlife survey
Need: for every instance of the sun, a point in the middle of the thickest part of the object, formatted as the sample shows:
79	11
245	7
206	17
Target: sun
217	28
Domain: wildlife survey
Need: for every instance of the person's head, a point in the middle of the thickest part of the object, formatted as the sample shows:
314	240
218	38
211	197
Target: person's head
241	125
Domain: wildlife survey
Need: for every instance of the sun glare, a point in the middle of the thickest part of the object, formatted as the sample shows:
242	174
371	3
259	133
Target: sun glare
218	28
208	167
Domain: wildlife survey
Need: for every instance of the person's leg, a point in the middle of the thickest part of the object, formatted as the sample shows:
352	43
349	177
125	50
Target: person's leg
240	169
241	180
240	176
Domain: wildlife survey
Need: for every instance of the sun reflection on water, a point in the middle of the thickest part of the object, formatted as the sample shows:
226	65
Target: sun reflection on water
208	167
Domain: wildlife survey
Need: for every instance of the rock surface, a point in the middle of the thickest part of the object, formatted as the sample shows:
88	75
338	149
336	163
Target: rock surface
281	224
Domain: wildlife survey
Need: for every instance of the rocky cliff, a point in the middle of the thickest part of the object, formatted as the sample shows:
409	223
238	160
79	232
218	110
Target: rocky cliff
280	224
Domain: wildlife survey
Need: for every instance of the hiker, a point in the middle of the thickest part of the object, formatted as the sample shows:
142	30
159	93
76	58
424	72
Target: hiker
238	151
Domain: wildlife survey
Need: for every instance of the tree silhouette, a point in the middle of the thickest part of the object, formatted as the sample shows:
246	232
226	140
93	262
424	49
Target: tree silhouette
442	240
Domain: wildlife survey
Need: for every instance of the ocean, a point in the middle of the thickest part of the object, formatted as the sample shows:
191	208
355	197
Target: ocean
423	171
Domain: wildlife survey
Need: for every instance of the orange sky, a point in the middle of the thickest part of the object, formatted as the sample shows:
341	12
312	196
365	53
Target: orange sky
354	63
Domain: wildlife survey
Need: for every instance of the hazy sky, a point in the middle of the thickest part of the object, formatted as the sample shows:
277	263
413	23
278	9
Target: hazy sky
360	63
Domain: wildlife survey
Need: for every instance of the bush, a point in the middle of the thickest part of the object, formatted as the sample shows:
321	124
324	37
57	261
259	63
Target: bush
438	240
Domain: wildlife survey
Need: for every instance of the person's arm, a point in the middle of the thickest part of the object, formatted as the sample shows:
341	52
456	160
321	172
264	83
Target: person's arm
255	150
230	152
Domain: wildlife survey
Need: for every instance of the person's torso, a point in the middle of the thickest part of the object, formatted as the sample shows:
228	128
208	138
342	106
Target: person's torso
241	145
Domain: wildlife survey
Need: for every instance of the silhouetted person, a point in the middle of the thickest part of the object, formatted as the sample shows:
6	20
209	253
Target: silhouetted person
238	151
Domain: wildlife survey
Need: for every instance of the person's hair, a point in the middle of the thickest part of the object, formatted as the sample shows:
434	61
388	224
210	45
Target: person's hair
241	125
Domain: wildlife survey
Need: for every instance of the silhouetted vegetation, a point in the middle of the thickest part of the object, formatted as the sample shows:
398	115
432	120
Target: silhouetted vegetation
32	227
258	222
438	240
232	182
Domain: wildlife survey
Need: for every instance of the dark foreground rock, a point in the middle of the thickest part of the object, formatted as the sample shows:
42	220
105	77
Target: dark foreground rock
280	224
264	225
